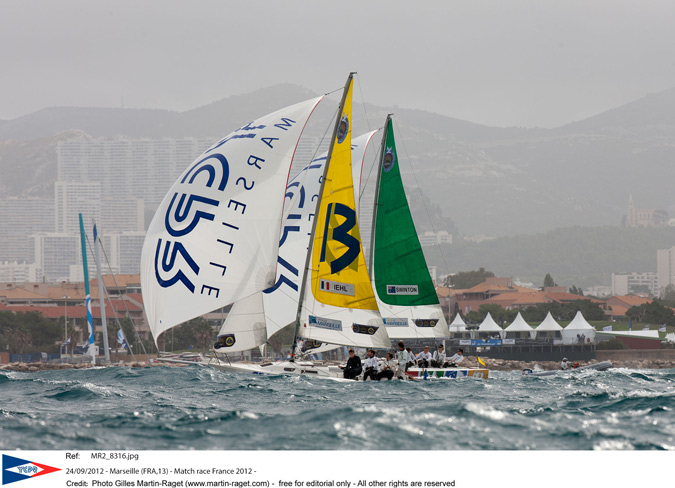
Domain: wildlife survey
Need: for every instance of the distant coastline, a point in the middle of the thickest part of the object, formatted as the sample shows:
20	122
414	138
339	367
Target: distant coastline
619	359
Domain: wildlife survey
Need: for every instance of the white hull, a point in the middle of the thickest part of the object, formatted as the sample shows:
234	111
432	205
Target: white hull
320	370
279	368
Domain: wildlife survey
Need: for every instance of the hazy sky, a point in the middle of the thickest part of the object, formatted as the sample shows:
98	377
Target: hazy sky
496	62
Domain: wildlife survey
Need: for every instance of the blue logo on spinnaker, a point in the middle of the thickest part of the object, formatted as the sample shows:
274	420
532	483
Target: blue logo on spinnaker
15	469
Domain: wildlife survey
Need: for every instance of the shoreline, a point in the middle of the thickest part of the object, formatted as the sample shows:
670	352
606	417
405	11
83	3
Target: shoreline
469	362
514	365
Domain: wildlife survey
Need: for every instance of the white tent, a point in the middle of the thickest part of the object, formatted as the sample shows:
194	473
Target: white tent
489	327
576	329
548	329
458	328
518	329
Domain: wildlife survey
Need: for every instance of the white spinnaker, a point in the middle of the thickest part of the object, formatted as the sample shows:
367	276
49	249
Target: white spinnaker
277	306
214	237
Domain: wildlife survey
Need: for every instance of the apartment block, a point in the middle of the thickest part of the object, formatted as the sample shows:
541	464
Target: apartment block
19	218
630	283
665	268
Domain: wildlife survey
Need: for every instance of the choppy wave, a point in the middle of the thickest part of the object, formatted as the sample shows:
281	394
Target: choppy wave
200	408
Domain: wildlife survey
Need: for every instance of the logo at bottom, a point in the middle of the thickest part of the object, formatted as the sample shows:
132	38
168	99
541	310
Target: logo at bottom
15	469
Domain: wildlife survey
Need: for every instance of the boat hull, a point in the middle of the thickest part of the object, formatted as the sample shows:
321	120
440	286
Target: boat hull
447	373
308	368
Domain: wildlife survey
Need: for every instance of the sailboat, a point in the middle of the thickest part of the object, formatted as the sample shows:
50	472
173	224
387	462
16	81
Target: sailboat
406	295
336	302
182	278
251	321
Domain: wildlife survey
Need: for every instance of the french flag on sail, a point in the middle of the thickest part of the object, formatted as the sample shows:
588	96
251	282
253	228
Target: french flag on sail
325	285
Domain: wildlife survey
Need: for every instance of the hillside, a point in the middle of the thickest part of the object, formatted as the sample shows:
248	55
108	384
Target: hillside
581	256
487	180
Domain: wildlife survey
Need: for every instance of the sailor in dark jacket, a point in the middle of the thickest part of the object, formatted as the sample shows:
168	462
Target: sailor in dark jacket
353	368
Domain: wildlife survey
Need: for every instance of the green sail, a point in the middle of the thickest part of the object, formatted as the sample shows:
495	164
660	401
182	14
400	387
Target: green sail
398	259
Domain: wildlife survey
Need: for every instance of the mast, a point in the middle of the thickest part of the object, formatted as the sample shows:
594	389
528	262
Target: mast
377	196
90	321
101	293
308	258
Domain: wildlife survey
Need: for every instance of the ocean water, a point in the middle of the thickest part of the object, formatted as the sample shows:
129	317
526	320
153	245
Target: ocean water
200	408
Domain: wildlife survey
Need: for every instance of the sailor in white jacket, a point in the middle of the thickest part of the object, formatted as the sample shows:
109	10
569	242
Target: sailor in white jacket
457	358
424	358
388	367
438	360
402	359
370	366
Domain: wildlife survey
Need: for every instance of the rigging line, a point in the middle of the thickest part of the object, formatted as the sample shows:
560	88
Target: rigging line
126	309
333	91
105	291
363	101
419	189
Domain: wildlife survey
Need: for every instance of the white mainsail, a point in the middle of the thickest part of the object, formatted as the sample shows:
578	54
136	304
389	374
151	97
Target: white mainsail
252	320
214	237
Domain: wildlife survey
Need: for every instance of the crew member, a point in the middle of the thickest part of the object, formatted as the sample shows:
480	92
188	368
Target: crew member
456	359
353	368
371	366
402	358
388	368
424	358
438	361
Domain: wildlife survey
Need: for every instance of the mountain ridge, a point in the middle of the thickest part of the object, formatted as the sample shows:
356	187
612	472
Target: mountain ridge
489	180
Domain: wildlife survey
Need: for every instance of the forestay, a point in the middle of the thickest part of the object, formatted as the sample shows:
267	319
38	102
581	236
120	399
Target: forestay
214	238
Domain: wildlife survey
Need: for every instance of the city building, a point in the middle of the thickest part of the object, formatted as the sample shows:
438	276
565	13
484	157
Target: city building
645	217
628	283
124	251
141	168
429	238
66	301
665	268
15	272
122	215
617	306
503	292
598	291
73	198
19	218
54	253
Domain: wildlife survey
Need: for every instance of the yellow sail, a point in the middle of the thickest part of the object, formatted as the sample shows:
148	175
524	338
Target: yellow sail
339	274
